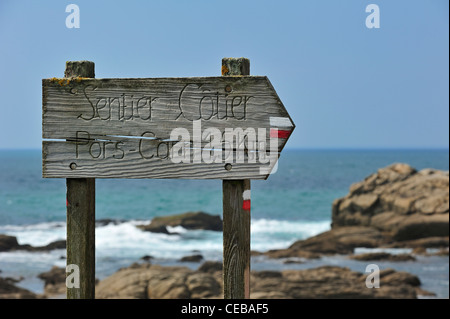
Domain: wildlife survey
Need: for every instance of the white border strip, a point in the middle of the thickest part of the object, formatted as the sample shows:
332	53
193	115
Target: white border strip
280	121
246	194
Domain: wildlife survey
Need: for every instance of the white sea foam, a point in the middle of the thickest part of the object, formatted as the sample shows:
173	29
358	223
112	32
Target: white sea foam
276	234
36	234
125	240
32	227
302	229
393	251
177	229
34	259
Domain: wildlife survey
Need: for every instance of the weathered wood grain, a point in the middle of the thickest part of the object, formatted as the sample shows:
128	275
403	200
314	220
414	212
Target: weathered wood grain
111	118
81	234
60	161
80	213
236	216
130	107
236	240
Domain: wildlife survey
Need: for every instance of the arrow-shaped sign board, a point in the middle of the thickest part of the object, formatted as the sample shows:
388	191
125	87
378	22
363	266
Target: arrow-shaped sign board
192	128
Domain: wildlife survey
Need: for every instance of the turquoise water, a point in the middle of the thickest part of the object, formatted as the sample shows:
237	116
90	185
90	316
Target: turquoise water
294	203
303	188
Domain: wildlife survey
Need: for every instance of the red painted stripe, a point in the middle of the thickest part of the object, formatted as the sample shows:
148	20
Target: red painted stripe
279	133
246	205
67	203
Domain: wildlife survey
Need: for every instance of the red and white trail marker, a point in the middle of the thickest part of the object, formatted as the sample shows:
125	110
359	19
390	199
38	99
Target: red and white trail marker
246	203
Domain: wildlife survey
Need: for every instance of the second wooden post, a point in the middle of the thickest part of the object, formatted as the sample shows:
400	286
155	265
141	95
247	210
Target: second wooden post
236	216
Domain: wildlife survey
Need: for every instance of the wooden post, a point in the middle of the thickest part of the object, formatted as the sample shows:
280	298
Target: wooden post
81	213
236	217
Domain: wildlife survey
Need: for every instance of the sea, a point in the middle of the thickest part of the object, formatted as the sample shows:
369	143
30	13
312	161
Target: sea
292	204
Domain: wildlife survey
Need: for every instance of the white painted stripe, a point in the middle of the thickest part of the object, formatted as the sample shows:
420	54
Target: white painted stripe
246	194
280	121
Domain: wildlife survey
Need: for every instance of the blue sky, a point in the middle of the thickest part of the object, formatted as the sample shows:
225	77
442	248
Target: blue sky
345	86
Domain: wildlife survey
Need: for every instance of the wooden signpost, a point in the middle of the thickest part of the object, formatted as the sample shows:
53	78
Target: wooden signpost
231	128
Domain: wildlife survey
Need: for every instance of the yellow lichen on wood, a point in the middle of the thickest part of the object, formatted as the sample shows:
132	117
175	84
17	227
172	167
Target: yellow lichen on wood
80	78
67	81
225	70
63	82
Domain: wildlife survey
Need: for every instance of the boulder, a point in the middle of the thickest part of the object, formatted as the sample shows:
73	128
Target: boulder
291	253
329	282
8	243
292	261
127	283
147	258
54	276
190	220
58	244
154	228
211	267
382	256
419	226
391	277
421	243
201	286
342	240
8	290
54	281
154	281
400	202
192	258
264	274
107	221
163	285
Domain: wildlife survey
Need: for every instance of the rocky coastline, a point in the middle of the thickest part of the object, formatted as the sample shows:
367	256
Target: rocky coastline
396	207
